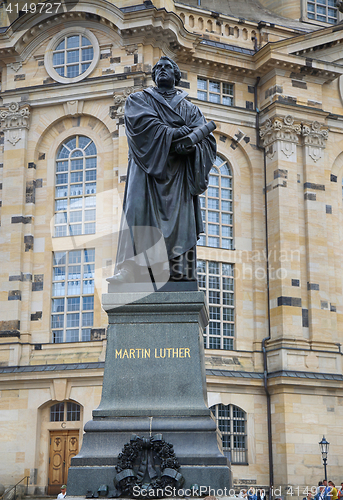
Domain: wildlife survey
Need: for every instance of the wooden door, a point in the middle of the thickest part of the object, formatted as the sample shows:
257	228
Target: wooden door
63	446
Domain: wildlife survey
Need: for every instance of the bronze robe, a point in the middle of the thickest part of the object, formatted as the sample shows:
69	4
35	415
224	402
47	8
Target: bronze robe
162	188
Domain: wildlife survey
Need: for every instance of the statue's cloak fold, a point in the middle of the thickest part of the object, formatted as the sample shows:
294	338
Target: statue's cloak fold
162	188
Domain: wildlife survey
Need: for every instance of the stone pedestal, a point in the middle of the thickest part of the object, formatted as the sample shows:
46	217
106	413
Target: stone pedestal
154	383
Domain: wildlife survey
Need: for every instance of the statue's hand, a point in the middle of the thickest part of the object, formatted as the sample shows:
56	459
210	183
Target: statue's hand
181	149
181	132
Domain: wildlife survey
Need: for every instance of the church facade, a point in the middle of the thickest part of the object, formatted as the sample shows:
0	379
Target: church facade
270	74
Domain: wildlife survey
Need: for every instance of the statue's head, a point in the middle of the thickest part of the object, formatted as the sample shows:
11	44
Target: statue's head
166	73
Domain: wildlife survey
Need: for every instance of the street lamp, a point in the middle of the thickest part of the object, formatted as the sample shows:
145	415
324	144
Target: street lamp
324	450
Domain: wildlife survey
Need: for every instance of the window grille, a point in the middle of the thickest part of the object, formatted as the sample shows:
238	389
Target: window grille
216	279
57	412
231	421
72	56
72	295
65	412
75	191
322	10
73	412
217	207
215	91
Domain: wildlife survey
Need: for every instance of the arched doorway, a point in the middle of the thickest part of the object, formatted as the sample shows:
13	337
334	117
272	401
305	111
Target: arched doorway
63	443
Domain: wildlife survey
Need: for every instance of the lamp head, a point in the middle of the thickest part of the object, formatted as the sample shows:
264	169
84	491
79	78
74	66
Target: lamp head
324	447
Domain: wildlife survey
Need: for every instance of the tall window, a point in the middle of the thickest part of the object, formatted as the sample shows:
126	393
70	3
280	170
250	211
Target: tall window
322	10
215	91
75	187
217	281
72	296
65	412
217	207
231	421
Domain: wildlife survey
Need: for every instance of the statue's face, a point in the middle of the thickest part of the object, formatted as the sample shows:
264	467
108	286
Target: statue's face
164	74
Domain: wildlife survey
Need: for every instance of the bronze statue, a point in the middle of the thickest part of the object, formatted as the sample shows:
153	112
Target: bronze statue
171	152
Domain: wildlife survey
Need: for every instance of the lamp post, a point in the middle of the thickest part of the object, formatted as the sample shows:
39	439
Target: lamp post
324	450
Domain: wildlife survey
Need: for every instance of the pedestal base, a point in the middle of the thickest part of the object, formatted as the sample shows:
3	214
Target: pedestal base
154	383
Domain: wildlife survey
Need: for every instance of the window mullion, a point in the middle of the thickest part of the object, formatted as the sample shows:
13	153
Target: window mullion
68	196
231	430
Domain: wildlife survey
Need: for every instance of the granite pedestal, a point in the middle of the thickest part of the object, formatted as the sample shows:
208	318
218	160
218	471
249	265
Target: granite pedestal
154	383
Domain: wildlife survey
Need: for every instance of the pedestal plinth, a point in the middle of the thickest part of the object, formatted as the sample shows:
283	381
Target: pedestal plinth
154	382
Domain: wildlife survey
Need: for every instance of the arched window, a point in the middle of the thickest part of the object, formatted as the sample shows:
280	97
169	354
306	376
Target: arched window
231	421
65	412
75	187
217	207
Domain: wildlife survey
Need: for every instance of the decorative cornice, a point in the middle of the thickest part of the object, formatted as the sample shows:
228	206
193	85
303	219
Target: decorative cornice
280	129
314	135
284	129
13	119
314	139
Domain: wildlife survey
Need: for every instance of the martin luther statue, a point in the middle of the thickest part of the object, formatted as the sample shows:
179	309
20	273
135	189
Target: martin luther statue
165	176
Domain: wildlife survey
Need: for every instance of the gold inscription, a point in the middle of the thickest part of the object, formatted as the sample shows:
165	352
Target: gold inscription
158	353
132	353
171	352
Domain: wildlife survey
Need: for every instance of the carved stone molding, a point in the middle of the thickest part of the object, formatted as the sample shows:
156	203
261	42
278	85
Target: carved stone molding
15	66
117	110
283	130
280	129
13	120
73	108
314	138
288	133
314	135
270	151
131	49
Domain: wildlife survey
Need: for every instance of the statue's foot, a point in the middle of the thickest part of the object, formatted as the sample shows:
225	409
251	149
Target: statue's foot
125	275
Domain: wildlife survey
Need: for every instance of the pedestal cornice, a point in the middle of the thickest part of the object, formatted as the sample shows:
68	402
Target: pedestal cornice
138	307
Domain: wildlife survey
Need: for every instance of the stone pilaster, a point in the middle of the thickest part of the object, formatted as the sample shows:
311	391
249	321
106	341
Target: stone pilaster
317	265
280	137
16	219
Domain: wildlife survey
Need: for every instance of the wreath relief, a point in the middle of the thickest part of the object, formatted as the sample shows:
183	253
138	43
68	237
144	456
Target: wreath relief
155	463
